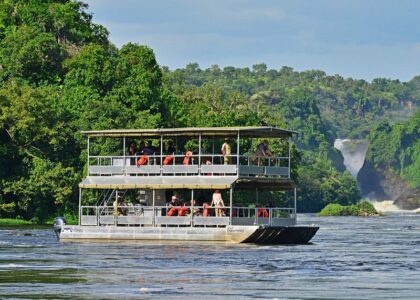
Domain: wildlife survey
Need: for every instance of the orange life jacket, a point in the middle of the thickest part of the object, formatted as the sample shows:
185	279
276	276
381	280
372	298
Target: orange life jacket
182	211
172	212
168	159
187	158
142	160
206	210
262	213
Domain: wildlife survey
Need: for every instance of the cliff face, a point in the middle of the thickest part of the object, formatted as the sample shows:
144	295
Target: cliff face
370	182
384	185
409	199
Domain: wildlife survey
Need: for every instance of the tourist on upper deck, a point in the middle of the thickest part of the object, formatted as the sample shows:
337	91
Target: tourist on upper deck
217	202
140	148
263	151
169	147
170	151
148	150
226	151
187	157
132	149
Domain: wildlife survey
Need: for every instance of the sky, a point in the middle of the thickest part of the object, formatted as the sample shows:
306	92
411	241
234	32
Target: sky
362	39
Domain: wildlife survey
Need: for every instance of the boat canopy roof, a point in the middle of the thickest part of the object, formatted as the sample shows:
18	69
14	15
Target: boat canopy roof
185	182
251	132
158	182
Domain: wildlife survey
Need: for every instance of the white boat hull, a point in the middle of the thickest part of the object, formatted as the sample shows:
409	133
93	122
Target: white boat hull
233	234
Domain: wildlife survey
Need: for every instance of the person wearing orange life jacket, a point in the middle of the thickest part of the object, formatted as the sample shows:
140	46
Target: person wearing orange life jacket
206	209
142	160
182	211
262	212
172	209
187	158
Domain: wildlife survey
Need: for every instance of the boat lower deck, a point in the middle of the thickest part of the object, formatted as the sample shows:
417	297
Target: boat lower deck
234	234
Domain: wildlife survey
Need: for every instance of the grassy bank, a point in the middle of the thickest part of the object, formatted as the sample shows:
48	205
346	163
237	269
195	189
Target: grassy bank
10	222
364	208
14	222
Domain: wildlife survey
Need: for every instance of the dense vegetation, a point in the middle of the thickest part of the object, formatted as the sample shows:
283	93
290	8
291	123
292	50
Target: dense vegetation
59	74
393	158
395	148
362	209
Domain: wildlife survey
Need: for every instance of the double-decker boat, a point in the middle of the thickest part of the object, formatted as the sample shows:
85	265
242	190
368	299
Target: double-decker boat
127	192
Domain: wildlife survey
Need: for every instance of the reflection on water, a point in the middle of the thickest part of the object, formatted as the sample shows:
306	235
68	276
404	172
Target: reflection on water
350	258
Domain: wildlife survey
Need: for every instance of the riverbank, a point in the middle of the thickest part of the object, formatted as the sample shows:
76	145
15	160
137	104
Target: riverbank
14	222
11	222
362	209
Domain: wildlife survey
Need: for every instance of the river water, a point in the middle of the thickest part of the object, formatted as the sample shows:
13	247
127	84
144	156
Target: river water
349	258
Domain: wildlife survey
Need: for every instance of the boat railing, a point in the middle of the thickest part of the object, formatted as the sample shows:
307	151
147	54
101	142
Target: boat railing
138	215
180	164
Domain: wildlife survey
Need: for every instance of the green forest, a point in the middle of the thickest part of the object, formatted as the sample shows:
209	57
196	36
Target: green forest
60	74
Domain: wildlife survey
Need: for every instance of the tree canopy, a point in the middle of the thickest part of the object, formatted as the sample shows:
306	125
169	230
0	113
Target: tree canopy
59	74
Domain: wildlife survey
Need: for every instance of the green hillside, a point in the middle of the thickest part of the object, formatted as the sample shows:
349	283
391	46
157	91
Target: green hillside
59	74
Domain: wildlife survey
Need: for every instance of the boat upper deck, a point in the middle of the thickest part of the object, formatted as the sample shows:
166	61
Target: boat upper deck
191	158
232	132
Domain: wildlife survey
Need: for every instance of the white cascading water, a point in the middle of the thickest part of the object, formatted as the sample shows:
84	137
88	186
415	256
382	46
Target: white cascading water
354	153
388	206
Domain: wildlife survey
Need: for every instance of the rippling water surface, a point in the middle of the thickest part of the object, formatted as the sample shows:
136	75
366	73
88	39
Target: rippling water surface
349	258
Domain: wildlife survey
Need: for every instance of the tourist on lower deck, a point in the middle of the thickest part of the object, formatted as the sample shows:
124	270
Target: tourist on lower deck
195	210
218	203
172	202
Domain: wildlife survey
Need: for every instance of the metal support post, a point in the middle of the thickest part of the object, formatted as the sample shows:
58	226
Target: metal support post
153	205
88	159
295	196
212	153
230	205
191	207
199	154
237	155
124	163
80	207
289	158
161	155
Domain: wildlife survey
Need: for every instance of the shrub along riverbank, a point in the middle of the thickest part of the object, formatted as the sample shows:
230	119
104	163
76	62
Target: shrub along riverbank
14	222
10	222
364	208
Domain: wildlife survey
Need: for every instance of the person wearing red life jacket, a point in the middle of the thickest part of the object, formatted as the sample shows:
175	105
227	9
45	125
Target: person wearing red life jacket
187	158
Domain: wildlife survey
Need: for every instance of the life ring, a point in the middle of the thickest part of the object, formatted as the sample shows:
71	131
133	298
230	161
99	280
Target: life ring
172	212
182	211
142	160
168	159
206	211
262	213
187	158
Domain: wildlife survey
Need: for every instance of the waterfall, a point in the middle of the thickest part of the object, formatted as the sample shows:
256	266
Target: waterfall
388	206
354	153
